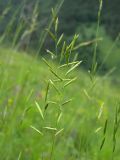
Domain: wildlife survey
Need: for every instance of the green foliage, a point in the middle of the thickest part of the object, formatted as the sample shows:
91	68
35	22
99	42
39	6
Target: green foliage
24	23
21	125
40	118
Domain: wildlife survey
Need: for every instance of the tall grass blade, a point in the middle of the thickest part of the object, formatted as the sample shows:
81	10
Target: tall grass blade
47	90
50	128
37	130
55	87
19	157
46	63
44	34
51	35
71	63
56	75
71	81
39	109
94	63
66	102
75	66
57	133
59	117
59	40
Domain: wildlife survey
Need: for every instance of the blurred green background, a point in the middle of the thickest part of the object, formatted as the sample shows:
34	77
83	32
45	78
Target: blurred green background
29	19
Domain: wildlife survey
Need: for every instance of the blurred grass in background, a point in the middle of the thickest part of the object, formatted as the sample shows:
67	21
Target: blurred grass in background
23	84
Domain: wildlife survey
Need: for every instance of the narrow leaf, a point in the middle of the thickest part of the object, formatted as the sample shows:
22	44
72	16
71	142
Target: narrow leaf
86	94
38	131
98	129
103	141
62	51
39	109
46	63
51	34
56	24
50	128
47	90
46	106
67	54
56	75
83	44
52	102
105	127
100	111
71	63
53	13
59	132
59	40
54	86
19	157
30	94
71	81
66	102
51	53
71	69
59	117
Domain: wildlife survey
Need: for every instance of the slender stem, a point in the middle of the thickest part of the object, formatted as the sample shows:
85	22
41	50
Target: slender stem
96	44
52	147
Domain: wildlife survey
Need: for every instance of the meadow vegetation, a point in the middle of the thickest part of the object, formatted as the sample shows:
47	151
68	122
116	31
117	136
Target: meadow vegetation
50	107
